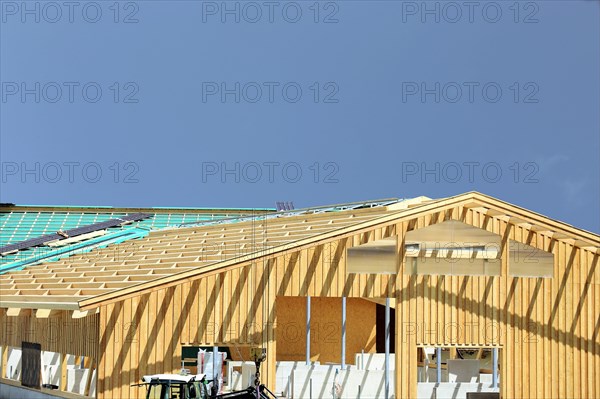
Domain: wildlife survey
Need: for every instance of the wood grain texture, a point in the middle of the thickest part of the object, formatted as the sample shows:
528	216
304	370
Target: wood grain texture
548	329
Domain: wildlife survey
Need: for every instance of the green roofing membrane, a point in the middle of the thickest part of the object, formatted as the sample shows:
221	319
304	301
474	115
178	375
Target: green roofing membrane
48	254
20	225
173	208
17	226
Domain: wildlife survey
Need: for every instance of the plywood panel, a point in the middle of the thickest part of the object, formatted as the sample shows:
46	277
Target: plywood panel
325	328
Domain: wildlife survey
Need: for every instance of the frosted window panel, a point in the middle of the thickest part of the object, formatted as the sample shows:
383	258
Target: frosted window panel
453	267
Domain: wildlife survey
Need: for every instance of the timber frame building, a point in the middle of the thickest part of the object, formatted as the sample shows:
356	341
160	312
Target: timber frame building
468	271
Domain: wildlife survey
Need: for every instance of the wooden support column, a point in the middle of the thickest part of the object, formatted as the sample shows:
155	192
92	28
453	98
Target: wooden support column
405	339
269	330
268	367
479	353
63	372
453	353
4	360
405	387
506	337
387	348
88	364
42	376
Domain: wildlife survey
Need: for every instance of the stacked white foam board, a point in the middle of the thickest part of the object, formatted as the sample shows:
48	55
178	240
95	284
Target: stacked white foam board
13	365
373	361
459	390
51	368
463	370
322	381
283	374
76	380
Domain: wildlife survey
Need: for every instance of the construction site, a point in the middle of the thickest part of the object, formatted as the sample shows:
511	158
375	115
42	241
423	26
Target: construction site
459	297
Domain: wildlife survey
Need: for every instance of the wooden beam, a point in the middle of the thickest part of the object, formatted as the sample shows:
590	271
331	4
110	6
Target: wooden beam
63	372
518	221
560	236
495	212
88	364
79	314
453	352
173	279
5	349
541	229
13	311
37	296
37	302
535	218
567	240
479	353
504	252
592	249
46	313
165	246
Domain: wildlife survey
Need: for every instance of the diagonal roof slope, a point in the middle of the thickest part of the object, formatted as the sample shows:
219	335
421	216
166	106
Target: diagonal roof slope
19	223
168	257
62	284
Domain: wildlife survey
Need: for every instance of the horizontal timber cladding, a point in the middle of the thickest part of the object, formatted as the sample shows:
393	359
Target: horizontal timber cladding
548	328
58	333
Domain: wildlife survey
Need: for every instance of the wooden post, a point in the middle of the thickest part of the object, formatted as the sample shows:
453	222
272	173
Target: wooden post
403	328
453	353
420	355
4	360
387	349
271	343
506	383
41	376
63	372
88	364
479	353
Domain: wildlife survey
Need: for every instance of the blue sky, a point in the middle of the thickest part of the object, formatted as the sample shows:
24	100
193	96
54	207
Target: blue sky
242	104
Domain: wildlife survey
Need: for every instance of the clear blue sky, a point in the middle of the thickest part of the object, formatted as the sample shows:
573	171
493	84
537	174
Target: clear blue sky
389	89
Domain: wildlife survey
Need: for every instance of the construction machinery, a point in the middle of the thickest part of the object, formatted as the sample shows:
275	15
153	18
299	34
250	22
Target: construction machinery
188	386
